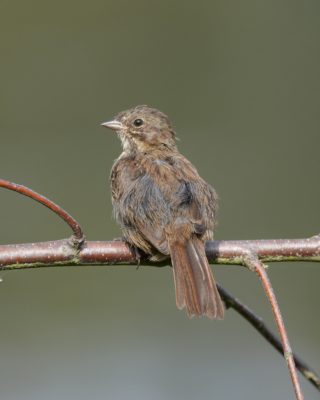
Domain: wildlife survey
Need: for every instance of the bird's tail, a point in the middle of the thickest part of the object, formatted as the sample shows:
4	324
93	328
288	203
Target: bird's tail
194	283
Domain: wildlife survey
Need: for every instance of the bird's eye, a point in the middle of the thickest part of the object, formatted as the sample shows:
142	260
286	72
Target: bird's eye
138	122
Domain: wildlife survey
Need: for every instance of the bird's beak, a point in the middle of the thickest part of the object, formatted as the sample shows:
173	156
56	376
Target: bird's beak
115	125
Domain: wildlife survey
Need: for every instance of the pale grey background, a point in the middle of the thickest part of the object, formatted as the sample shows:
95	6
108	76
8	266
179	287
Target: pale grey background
240	81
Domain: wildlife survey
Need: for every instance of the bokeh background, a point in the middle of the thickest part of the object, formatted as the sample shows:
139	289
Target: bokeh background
240	81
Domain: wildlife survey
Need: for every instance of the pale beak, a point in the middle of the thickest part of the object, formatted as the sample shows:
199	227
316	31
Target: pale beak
115	125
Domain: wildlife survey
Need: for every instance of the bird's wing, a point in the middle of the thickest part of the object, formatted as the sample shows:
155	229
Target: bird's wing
158	196
169	196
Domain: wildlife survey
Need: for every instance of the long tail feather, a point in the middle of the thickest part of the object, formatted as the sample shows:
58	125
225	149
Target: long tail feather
194	283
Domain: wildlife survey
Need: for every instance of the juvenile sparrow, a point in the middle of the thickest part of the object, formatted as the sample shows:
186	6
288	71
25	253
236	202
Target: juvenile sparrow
164	207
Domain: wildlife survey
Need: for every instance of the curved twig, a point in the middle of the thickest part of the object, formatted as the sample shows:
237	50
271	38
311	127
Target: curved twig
73	224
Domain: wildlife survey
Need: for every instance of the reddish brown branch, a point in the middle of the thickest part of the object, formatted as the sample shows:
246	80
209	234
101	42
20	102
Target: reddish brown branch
77	231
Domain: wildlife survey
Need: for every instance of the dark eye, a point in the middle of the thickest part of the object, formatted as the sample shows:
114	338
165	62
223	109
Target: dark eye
138	122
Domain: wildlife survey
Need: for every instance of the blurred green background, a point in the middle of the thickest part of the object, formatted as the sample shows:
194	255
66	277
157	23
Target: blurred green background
240	81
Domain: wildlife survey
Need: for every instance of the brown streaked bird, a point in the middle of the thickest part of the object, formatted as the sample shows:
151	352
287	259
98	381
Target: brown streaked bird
164	207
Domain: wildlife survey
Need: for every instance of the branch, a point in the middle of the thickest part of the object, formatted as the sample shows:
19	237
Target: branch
63	252
251	253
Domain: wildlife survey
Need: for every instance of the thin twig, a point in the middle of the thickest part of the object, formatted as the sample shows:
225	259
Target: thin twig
261	327
73	224
254	264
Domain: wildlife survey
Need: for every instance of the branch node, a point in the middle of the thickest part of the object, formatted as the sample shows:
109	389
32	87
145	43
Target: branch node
76	243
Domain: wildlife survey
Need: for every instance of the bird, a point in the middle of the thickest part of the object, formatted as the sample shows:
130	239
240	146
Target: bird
163	206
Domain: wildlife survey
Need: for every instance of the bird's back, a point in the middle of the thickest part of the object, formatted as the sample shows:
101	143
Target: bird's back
155	194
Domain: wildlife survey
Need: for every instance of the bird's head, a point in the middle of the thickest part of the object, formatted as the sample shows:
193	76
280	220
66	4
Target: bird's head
143	129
